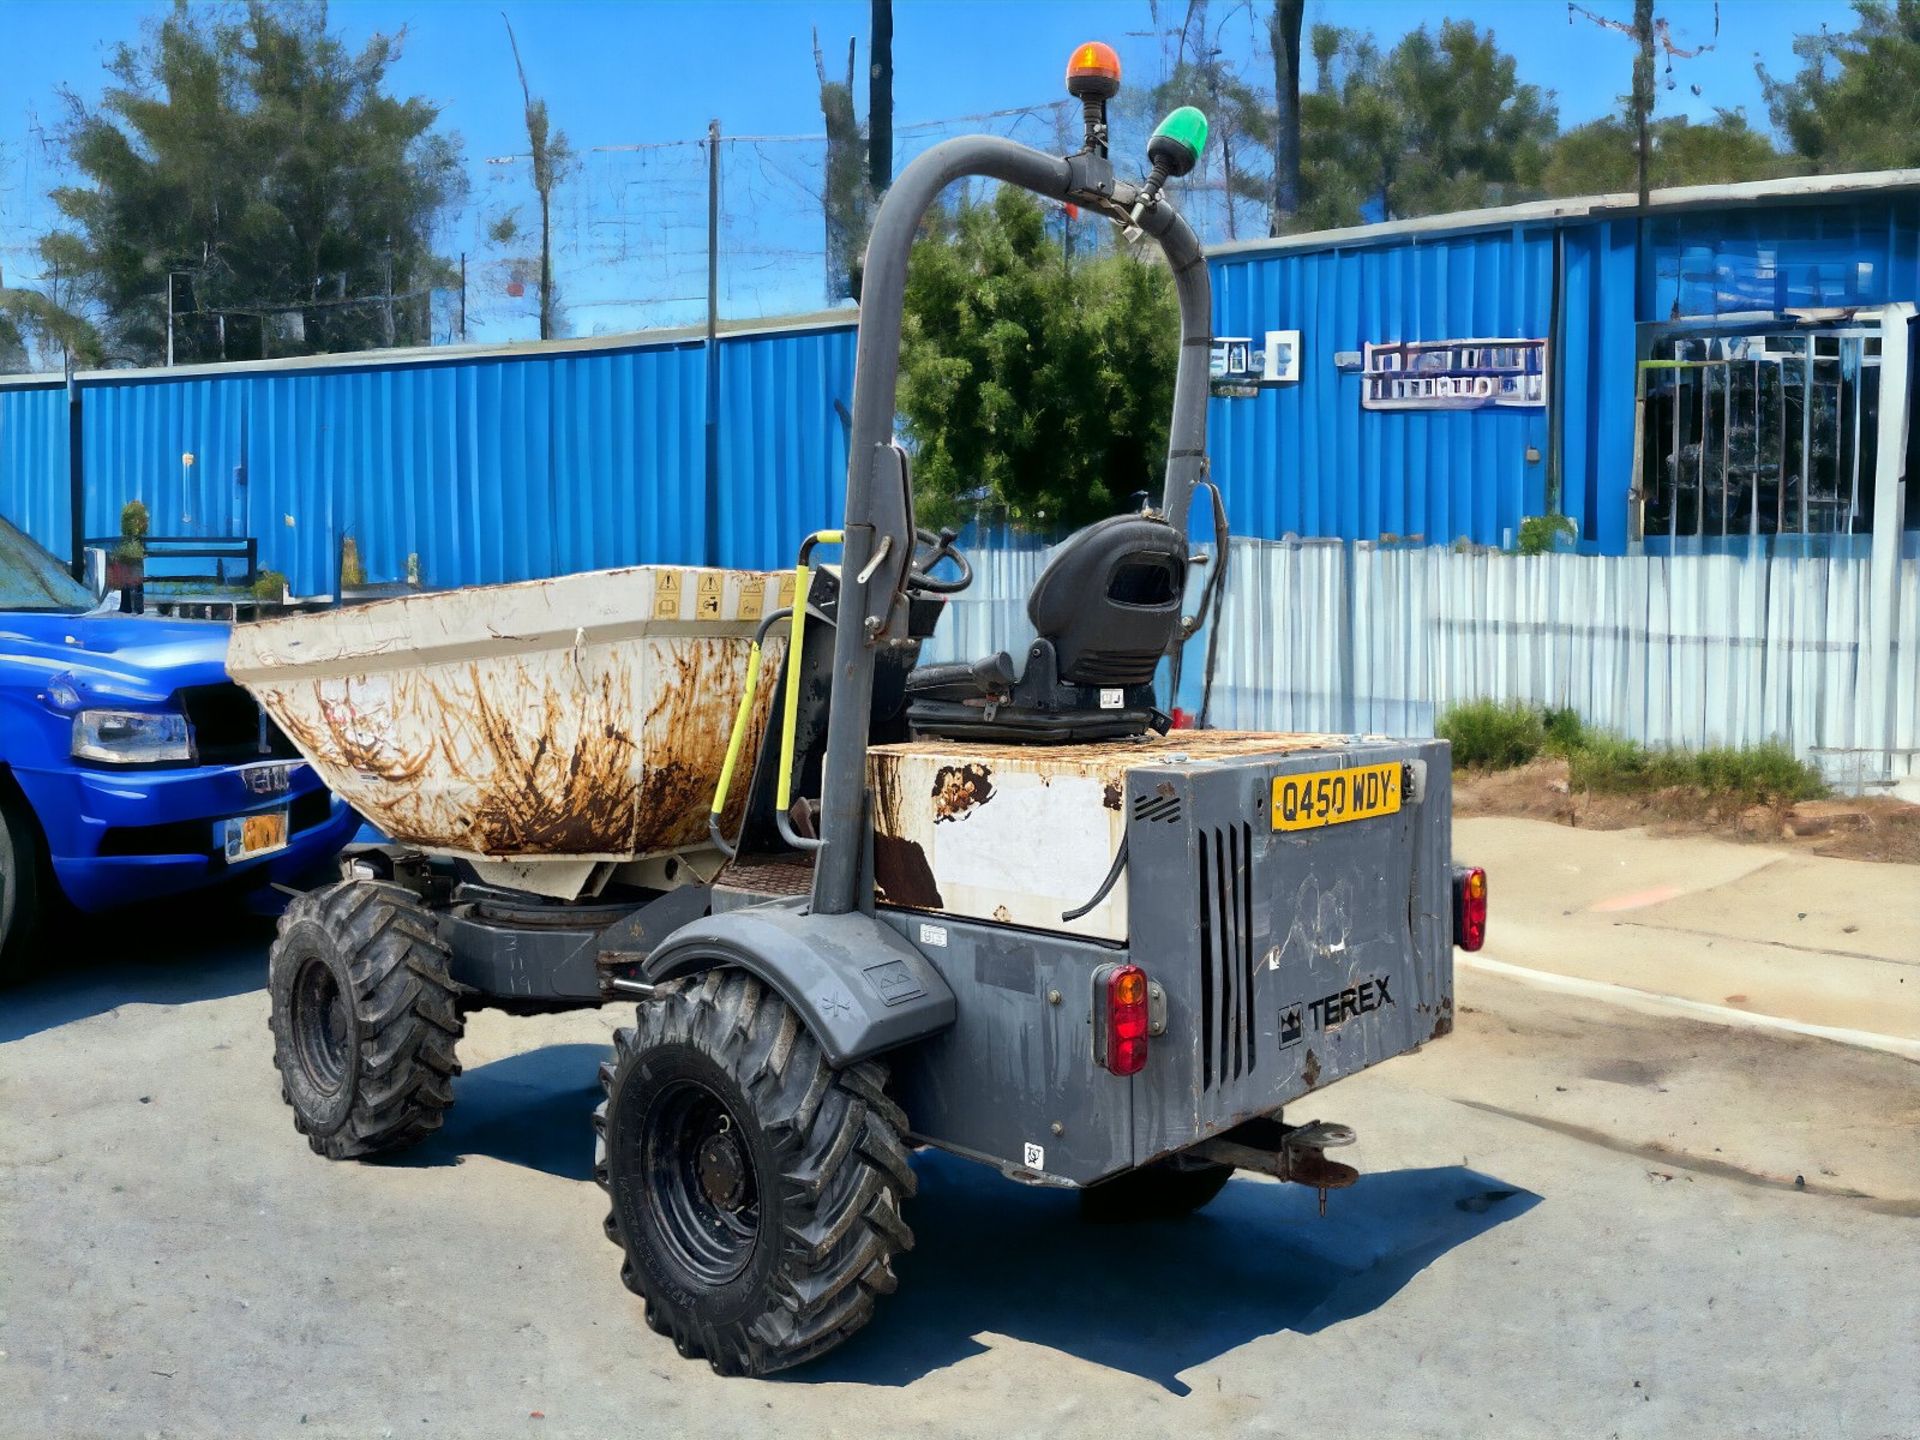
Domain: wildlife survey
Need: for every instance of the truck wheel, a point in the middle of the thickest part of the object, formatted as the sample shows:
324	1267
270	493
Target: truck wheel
364	1019
1164	1190
23	876
755	1190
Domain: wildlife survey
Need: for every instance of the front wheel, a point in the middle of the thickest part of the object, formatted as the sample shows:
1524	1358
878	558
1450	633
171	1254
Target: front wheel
24	885
755	1190
364	1018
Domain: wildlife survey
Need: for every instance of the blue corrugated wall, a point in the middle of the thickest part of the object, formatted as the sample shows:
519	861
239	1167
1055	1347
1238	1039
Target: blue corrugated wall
501	467
33	462
484	468
1307	458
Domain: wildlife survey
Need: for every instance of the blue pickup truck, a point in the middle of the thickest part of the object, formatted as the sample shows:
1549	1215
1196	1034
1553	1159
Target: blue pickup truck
130	765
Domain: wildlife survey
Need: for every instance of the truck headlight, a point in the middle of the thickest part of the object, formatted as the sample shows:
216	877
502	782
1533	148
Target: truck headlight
130	737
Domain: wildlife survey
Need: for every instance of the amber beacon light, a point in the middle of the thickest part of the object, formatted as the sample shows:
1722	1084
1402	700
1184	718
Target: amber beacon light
1093	71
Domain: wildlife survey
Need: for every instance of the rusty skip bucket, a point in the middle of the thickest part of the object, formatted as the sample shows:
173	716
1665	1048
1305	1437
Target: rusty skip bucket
579	719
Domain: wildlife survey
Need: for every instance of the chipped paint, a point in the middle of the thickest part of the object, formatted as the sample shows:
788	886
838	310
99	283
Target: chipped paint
958	788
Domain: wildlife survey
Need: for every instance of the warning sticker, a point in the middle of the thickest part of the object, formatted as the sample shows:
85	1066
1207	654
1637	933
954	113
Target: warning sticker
753	599
706	605
666	595
786	592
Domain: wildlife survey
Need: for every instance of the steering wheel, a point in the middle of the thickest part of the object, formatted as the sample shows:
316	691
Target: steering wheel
929	550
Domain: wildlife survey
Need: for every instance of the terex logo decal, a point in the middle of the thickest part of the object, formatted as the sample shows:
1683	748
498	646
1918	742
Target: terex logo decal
1330	1012
1290	1026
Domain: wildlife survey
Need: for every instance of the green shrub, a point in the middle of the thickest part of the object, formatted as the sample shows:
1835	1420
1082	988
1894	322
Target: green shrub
1496	735
1566	731
269	585
1607	763
1538	533
1756	775
1492	734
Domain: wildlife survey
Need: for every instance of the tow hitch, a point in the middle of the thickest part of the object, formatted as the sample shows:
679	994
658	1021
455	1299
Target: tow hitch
1297	1153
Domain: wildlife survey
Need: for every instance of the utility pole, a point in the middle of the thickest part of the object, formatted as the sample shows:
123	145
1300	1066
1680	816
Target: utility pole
170	319
880	98
463	297
1646	31
1283	30
712	528
1643	91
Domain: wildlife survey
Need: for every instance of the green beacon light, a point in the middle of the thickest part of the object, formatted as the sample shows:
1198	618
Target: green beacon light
1174	150
1175	147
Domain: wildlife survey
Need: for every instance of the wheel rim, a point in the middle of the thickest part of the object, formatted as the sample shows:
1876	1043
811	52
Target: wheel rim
702	1186
322	1026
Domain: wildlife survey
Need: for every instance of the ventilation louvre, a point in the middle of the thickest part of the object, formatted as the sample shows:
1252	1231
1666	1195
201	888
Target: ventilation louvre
1162	809
1228	1026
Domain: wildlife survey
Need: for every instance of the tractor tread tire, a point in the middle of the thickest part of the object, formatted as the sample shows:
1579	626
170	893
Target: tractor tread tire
382	944
840	1165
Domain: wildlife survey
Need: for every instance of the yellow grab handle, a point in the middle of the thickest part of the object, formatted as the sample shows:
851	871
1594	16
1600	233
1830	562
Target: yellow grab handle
737	741
790	718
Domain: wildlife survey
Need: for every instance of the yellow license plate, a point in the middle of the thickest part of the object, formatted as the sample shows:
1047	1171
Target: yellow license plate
1334	797
245	836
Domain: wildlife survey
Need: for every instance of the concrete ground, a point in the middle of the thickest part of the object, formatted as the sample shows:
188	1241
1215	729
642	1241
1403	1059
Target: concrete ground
1575	1219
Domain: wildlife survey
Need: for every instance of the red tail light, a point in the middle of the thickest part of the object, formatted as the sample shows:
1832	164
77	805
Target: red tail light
1122	995
1469	907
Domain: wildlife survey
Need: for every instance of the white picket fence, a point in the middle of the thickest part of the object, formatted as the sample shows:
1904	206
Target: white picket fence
1685	650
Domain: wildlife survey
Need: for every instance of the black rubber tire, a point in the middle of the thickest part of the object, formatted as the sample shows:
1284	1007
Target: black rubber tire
824	1161
1164	1190
364	1019
25	887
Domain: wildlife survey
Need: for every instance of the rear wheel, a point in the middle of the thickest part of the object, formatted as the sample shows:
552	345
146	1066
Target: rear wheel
1164	1190
24	886
755	1190
364	1019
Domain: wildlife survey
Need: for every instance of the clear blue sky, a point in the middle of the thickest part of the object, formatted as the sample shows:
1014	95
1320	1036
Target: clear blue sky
624	73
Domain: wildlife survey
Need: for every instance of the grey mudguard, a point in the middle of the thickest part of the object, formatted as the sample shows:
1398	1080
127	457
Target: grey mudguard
856	983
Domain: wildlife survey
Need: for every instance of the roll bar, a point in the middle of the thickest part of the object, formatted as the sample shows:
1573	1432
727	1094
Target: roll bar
875	468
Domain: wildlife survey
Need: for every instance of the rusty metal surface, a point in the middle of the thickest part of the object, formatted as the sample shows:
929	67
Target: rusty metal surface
1145	750
581	718
956	823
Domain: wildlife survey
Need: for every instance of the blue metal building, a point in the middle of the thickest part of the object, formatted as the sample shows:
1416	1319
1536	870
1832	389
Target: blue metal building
1449	376
461	466
1601	282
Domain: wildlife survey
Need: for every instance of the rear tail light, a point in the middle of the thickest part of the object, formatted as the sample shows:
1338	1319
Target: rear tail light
1121	1018
1469	907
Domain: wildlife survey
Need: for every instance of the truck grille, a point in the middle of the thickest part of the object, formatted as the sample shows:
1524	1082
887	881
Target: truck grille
228	728
1227	1021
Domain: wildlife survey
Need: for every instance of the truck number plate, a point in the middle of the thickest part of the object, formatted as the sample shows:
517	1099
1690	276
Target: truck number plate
1333	797
245	836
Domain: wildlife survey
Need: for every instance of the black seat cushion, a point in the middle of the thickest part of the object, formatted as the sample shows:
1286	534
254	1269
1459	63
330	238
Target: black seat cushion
1109	600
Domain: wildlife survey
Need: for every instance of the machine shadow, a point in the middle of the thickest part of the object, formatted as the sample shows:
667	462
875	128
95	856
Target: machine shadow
1153	1299
993	1257
533	1109
173	953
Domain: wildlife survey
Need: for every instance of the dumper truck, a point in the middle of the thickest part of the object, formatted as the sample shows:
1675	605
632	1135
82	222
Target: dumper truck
861	905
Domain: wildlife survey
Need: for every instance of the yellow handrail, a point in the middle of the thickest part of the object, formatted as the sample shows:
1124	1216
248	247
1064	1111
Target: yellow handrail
790	716
737	741
790	720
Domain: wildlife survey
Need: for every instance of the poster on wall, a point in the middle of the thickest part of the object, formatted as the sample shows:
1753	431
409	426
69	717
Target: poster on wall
1241	365
1455	374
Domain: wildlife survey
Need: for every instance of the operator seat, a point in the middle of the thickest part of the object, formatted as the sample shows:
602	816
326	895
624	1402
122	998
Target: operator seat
1105	610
